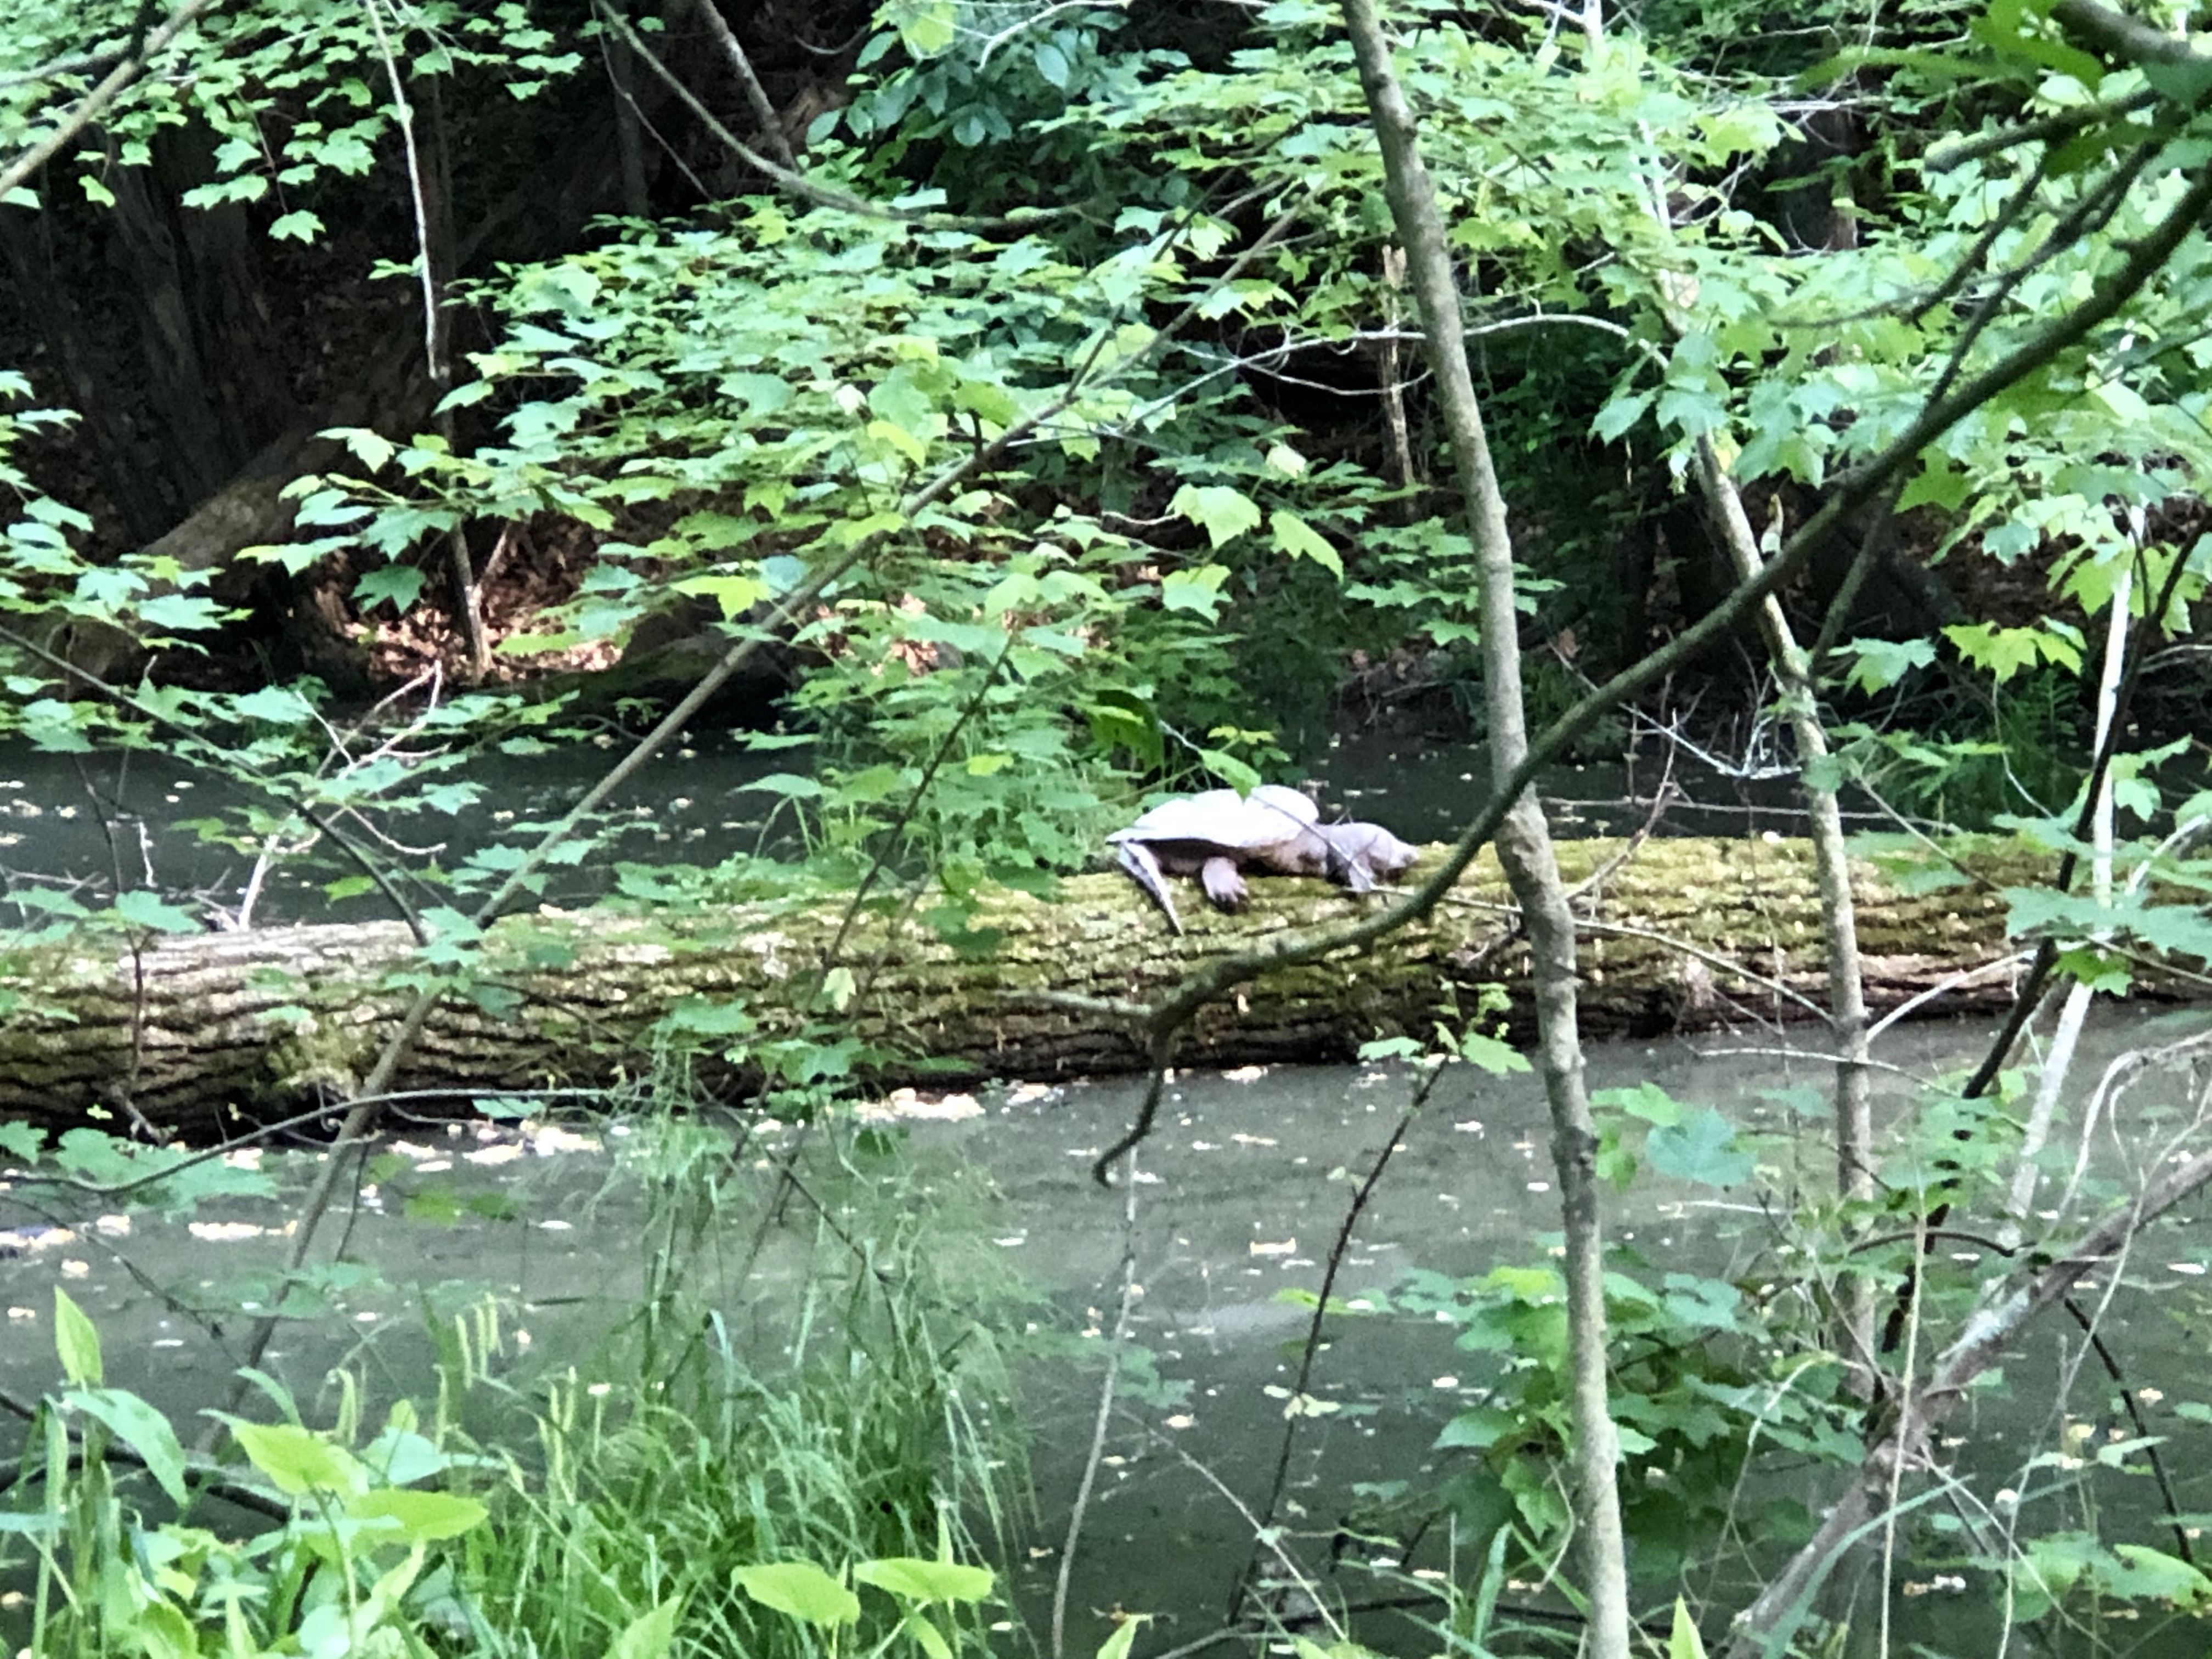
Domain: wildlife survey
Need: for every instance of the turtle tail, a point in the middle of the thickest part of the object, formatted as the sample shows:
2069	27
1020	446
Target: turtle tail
1137	860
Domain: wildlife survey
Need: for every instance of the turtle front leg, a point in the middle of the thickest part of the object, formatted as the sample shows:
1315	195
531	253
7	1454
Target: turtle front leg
1223	882
1143	868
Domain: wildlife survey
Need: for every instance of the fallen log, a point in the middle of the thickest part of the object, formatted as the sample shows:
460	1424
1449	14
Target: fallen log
191	1032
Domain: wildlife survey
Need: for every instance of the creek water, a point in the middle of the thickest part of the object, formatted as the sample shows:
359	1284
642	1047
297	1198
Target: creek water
1243	1189
135	820
1242	1192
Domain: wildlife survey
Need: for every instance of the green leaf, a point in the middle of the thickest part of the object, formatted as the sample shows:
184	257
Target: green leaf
913	1578
650	1635
1701	1148
1647	1101
143	908
298	1461
1690	410
299	226
371	449
1618	415
1938	483
925	27
76	1344
422	1515
1195	591
732	595
1478	1429
1877	665
401	584
1124	1638
1224	513
280	705
927	1636
1302	541
2003	652
801	1589
792	785
2152	1575
1493	1055
143	1428
187	612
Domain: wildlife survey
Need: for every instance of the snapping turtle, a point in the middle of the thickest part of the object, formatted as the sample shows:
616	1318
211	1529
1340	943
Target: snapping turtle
1219	834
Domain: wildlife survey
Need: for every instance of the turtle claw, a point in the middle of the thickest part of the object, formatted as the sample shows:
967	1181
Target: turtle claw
1223	885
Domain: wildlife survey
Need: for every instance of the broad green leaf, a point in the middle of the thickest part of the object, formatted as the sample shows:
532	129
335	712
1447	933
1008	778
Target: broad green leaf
280	705
1619	414
143	1428
732	595
371	449
1477	1429
1939	484
143	908
925	27
650	1635
419	1515
1196	590
913	1578
401	584
927	1636
2003	652
1493	1055
2152	1575
1302	541
1224	513
298	1461
187	612
1877	665
1124	1638
76	1344
792	785
801	1589
1701	1148
1647	1101
160	1630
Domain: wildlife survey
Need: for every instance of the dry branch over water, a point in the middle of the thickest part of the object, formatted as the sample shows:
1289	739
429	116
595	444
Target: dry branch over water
1683	935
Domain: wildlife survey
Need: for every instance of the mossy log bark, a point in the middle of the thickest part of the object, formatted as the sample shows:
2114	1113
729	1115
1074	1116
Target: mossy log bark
1684	933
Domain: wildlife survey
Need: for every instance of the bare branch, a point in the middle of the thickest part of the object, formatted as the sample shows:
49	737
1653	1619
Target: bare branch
756	94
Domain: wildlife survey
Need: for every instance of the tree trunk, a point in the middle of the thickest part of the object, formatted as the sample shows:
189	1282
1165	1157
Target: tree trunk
187	1030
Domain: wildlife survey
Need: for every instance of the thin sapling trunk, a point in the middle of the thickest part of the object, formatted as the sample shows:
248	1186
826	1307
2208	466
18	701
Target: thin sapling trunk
1524	841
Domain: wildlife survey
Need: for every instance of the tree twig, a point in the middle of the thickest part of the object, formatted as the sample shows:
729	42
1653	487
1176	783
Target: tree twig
756	94
88	107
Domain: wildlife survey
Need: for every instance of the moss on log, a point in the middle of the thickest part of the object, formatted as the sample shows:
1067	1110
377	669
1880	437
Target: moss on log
1683	933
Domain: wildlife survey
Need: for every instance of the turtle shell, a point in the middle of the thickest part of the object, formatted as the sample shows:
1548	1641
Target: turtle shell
1270	816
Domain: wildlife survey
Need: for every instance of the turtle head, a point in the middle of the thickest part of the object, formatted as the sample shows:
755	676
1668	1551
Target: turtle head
1361	854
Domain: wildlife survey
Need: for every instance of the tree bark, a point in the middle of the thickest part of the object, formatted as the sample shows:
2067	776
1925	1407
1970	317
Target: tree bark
1686	934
